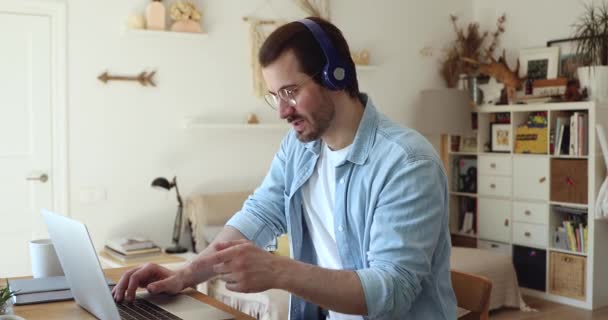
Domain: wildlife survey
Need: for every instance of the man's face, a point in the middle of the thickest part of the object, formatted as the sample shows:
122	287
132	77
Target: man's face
313	111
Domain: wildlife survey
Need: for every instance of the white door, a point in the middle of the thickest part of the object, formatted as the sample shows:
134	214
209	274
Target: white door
25	136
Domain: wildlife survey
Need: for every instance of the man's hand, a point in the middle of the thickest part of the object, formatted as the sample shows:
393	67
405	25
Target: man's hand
245	267
153	277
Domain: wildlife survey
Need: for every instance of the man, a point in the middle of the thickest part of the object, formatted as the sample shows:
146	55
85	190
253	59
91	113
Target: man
363	200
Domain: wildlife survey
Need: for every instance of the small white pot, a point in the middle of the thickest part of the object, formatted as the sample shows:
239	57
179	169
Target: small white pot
595	79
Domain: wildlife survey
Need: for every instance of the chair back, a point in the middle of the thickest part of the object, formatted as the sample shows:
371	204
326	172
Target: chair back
473	294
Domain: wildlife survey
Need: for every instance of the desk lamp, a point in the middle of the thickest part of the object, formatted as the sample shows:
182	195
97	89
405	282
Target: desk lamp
163	183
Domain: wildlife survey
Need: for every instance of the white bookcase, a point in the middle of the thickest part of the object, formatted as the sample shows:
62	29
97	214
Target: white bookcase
515	205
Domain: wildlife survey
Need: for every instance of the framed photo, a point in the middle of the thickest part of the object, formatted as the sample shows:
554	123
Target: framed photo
539	63
468	144
569	61
501	137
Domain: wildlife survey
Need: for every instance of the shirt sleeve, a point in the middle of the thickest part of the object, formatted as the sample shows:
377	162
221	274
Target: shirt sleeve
262	217
405	230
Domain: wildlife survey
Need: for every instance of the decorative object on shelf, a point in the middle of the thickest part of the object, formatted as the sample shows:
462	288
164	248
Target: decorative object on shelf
136	21
186	16
501	137
163	183
361	58
591	32
569	59
501	71
491	91
467	175
315	8
144	78
539	63
468	144
155	15
5	300
252	119
469	45
259	30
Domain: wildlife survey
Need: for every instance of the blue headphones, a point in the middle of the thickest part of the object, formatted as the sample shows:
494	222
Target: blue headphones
335	74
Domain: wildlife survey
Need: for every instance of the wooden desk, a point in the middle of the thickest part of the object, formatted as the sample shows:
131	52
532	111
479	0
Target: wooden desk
70	310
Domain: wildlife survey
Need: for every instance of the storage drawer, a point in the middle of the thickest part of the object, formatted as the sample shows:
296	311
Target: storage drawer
530	212
497	247
463	241
531	177
530	266
494	219
569	180
567	275
534	235
495	165
495	186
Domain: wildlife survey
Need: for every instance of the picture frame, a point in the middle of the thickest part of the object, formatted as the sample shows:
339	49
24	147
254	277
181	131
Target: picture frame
539	63
569	61
501	139
468	144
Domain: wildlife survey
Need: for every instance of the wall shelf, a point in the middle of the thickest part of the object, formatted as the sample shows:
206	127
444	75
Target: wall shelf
569	252
463	194
259	126
142	33
368	67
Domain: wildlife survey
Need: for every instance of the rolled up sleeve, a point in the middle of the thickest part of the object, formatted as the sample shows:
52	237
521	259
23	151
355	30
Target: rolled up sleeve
403	236
262	217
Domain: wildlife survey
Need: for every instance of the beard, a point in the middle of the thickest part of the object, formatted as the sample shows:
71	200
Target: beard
316	123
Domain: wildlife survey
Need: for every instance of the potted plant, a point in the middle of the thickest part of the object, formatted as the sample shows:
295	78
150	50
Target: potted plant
591	32
5	300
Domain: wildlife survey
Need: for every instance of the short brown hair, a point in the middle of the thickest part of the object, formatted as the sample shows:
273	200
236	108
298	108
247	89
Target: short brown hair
296	37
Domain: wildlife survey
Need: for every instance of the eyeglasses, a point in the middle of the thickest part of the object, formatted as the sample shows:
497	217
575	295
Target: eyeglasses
285	94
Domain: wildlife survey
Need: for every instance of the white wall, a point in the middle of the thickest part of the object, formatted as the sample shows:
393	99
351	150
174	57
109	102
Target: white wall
122	135
529	23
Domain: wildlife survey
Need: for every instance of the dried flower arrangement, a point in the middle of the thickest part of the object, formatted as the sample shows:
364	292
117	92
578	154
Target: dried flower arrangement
469	45
181	11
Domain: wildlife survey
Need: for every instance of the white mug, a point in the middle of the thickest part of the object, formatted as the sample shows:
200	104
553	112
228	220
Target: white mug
44	259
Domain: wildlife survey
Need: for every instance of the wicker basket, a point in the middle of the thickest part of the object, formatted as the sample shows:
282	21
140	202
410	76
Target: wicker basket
567	275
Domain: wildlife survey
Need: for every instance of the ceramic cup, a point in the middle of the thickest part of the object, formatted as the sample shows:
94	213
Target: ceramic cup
44	259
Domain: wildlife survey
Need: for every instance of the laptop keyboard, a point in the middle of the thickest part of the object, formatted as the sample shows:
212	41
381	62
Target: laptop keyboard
141	309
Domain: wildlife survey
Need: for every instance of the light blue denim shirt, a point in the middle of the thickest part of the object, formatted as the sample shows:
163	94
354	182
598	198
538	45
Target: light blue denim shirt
391	218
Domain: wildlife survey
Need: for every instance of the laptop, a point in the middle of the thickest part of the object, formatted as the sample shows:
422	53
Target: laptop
83	272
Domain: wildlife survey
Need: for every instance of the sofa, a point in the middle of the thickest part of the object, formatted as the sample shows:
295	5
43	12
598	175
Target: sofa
206	214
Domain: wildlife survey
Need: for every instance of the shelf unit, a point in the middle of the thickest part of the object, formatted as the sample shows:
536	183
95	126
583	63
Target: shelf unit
514	204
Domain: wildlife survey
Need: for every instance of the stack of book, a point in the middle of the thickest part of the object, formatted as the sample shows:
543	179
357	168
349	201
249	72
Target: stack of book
131	249
572	234
572	135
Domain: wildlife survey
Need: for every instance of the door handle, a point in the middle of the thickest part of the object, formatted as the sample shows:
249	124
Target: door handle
506	222
42	178
543	179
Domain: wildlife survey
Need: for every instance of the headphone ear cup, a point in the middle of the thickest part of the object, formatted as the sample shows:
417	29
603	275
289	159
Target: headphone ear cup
335	77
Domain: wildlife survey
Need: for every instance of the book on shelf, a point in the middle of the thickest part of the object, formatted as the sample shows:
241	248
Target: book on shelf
131	256
39	290
132	245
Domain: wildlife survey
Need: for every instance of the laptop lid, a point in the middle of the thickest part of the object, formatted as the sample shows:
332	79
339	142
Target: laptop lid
81	265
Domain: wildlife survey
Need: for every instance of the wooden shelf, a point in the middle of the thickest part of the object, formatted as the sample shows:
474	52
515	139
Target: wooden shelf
570	157
463	194
468	235
568	204
165	34
568	252
460	153
259	126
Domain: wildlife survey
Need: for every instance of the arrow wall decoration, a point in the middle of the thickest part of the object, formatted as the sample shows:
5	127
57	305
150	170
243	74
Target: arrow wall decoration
144	78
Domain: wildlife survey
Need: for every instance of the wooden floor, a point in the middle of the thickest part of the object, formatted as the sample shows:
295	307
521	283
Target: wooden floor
549	311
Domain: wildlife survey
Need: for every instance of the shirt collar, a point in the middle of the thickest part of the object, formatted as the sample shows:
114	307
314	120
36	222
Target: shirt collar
364	138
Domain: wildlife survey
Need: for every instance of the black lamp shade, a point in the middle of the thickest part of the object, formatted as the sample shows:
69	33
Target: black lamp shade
162	183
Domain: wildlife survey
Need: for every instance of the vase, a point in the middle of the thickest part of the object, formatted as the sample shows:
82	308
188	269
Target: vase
595	79
6	308
186	26
155	15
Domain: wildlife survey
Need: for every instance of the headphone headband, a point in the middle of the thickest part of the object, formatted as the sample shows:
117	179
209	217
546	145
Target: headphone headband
335	75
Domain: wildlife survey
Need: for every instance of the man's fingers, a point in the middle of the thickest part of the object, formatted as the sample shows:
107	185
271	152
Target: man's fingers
167	285
137	279
227	244
121	286
219	257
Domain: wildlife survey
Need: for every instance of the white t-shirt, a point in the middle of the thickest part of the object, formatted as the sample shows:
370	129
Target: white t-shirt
319	202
